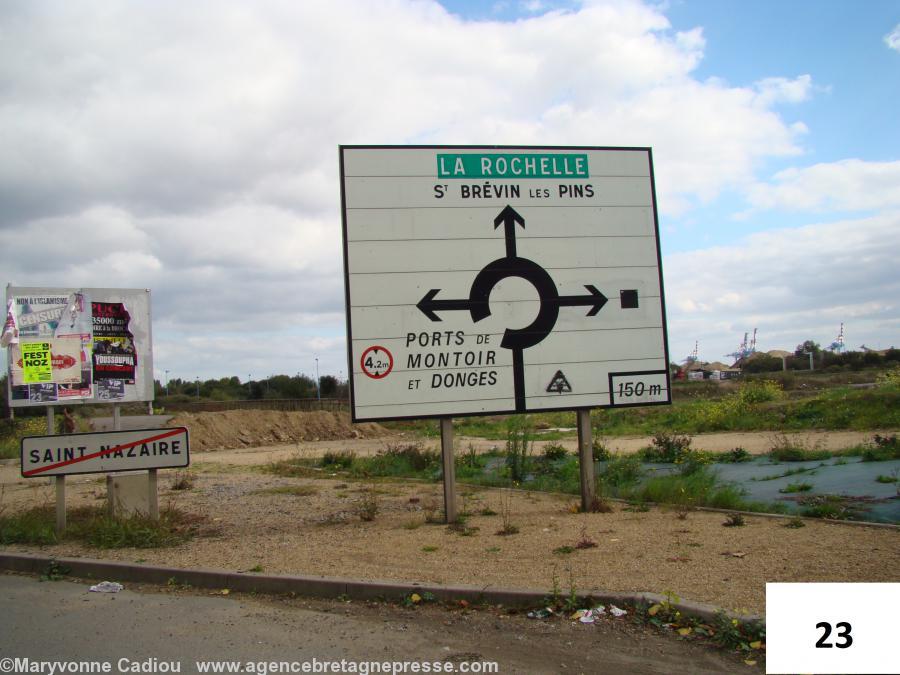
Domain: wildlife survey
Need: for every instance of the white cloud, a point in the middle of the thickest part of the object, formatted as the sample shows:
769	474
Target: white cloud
792	284
192	148
892	39
850	184
782	90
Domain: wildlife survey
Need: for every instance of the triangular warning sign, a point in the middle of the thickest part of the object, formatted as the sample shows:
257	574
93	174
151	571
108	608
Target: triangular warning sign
559	384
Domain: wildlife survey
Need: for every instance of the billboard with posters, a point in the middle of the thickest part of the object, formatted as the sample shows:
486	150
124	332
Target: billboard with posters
77	345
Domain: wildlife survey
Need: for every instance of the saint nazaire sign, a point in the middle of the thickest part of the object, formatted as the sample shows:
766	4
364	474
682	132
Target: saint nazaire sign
501	280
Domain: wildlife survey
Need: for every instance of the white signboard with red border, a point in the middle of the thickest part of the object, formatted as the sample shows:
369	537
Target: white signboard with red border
104	452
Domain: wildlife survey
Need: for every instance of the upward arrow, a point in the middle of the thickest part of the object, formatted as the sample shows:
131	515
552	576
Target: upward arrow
509	217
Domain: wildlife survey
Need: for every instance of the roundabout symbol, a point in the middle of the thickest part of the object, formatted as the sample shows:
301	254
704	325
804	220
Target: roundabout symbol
512	265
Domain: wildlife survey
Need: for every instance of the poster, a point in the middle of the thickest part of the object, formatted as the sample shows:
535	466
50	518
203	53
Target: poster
36	362
110	390
114	355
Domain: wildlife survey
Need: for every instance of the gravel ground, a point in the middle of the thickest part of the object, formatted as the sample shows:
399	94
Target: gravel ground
257	521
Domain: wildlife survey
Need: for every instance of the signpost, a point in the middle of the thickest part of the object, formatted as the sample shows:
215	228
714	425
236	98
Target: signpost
491	280
105	452
72	346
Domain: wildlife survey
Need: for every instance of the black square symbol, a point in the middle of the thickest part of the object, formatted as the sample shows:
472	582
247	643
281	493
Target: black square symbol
629	299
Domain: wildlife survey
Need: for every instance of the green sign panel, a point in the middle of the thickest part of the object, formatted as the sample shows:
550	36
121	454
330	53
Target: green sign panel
505	165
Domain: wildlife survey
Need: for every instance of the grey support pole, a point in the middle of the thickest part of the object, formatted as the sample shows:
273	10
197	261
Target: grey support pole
60	504
449	470
60	481
153	495
585	457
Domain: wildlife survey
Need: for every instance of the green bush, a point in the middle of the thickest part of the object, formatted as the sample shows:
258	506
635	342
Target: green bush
667	448
622	470
553	452
338	460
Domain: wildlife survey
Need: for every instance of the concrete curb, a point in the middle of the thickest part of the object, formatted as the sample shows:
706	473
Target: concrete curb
331	587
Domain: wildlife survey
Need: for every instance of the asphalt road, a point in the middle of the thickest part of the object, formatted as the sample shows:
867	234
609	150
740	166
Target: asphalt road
151	630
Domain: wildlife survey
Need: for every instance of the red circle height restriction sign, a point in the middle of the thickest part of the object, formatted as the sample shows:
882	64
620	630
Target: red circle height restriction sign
376	362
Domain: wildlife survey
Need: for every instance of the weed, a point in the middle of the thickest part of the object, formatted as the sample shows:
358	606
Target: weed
553	599
734	520
338	460
564	550
470	457
572	601
599	504
367	506
585	541
487	511
400	460
622	470
736	455
506	514
791	488
463	530
883	448
429	549
54	572
518	447
829	507
412	525
433	511
256	568
599	451
787	449
790	472
795	523
553	452
507	530
888	479
183	480
667	448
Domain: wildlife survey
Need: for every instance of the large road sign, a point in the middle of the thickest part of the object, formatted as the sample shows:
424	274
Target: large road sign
501	279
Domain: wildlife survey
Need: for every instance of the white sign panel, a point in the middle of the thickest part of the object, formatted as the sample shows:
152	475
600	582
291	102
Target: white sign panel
104	452
501	280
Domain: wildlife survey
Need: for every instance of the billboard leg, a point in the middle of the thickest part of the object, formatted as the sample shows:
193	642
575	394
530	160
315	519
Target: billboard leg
585	458
60	504
449	470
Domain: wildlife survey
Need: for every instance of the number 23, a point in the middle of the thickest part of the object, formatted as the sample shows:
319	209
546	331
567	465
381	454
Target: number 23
826	632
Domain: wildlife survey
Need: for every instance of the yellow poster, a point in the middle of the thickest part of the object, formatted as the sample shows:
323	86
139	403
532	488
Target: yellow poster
37	365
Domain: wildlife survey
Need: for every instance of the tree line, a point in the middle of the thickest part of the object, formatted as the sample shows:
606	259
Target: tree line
232	389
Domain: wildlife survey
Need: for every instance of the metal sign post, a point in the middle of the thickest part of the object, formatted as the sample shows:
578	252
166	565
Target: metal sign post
585	458
449	467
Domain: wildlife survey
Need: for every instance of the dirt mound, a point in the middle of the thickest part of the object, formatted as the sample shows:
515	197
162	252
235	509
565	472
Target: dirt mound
250	428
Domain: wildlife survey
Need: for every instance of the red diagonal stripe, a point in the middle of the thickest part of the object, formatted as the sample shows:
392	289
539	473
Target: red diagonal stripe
111	450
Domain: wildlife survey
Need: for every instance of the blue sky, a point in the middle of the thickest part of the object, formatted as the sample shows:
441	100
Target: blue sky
191	148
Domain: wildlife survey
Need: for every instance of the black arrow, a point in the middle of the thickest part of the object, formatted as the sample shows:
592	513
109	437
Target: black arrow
509	217
596	300
428	305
